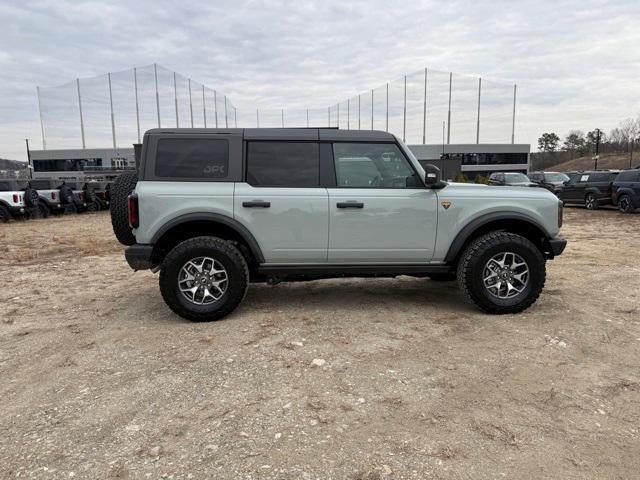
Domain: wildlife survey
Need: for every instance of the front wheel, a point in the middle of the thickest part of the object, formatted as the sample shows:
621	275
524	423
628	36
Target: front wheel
204	278
502	273
591	202
624	204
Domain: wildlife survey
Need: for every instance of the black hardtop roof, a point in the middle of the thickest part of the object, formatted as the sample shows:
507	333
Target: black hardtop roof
309	134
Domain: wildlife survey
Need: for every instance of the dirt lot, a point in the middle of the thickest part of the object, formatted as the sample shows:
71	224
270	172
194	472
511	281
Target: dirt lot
98	379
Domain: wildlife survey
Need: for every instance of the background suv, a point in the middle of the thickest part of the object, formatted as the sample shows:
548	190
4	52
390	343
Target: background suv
591	189
513	179
625	191
552	181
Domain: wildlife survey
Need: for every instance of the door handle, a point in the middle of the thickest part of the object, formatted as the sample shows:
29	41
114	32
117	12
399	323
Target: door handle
350	205
256	204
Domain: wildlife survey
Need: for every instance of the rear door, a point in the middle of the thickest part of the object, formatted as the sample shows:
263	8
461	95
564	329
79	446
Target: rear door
379	210
574	190
281	201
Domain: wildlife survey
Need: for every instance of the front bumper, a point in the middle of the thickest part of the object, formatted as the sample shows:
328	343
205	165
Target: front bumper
556	245
138	256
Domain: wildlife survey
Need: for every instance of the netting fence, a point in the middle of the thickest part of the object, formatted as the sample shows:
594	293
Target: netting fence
427	106
116	109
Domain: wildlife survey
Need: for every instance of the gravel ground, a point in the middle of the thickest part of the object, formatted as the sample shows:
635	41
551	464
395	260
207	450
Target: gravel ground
357	379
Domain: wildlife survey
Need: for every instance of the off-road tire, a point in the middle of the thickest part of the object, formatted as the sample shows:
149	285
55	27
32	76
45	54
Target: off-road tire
31	198
591	202
119	192
478	253
92	207
220	250
5	214
66	195
624	204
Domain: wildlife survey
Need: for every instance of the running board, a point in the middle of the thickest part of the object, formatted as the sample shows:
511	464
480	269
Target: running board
352	270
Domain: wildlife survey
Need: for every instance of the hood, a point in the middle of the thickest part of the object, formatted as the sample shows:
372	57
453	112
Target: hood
478	190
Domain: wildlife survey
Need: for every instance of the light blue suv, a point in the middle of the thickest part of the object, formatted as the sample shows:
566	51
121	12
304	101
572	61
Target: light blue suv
215	209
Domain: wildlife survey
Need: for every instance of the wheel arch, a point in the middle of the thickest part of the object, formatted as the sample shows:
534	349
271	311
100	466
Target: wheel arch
205	223
622	191
513	222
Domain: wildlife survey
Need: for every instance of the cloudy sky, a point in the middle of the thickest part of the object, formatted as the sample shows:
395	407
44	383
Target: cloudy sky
576	63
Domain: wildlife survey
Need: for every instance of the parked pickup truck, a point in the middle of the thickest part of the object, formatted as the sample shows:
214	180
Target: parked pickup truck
215	209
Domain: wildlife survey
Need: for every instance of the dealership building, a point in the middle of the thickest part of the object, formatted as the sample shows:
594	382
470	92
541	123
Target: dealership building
106	163
474	159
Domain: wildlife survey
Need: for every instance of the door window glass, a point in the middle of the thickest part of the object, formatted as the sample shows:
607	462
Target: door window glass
283	164
372	165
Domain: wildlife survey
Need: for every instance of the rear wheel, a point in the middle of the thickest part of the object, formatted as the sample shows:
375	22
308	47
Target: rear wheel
502	273
591	202
203	278
624	204
5	215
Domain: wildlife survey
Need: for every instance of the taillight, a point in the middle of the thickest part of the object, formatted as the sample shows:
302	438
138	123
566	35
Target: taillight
53	195
134	219
16	198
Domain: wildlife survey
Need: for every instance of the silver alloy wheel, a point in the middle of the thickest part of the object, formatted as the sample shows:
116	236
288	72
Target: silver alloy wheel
590	201
505	275
203	280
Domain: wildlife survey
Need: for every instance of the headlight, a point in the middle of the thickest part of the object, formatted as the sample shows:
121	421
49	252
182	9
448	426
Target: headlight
560	208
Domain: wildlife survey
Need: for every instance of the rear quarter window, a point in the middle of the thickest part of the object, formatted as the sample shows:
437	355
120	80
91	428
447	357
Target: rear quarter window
628	176
192	158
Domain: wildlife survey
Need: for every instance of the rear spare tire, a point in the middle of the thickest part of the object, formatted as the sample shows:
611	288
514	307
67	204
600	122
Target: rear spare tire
119	192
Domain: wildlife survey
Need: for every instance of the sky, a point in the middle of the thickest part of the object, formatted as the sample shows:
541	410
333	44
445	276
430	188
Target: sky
576	63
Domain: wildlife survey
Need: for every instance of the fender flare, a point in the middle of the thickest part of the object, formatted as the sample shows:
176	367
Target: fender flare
465	233
240	229
622	191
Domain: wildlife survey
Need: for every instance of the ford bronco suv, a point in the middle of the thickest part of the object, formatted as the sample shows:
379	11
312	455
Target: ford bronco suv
11	200
215	209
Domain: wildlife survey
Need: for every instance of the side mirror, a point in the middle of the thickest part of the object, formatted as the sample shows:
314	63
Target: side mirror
433	176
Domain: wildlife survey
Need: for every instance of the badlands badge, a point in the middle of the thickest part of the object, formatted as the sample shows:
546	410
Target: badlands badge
446	205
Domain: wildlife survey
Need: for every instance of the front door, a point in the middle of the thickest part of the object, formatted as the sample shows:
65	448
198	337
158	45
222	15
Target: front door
379	212
282	202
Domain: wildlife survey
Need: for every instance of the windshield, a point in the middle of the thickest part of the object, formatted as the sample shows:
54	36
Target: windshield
556	177
516	177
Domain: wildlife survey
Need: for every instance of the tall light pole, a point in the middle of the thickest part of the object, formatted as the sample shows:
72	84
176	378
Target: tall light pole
597	148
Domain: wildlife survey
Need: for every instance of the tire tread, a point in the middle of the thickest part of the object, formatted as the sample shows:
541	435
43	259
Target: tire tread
475	249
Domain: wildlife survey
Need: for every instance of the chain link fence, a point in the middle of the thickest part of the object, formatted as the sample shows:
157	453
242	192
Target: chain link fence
427	106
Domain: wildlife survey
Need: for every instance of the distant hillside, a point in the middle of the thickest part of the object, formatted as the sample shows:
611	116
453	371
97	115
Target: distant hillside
12	164
607	160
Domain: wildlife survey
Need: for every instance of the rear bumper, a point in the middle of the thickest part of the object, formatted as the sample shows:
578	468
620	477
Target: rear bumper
138	256
17	211
556	245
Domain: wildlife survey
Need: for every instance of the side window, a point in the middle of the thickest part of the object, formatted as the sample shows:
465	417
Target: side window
583	178
372	165
283	164
192	158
